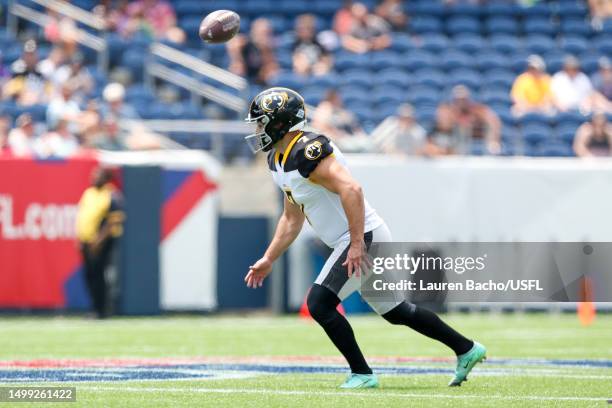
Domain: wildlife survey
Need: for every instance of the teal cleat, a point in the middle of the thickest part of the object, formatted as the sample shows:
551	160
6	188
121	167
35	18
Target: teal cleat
466	362
360	381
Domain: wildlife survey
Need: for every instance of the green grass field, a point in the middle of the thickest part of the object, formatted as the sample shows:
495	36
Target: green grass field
266	362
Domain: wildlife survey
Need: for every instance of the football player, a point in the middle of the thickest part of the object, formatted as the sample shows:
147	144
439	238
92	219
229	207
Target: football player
318	187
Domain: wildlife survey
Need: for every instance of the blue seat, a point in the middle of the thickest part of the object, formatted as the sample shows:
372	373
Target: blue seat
314	94
589	62
384	59
539	26
352	96
401	42
576	27
423	95
388	96
554	61
539	44
356	77
292	7
570	118
502	25
328	80
538	10
535	118
139	93
435	42
487	61
465	9
279	23
505	43
518	61
467	77
461	25
425	114
416	59
503	9
288	79
133	59
499	77
426	8
496	96
430	77
574	45
556	149
603	44
424	25
393	77
347	60
535	134
572	9
456	59
470	43
326	7
567	133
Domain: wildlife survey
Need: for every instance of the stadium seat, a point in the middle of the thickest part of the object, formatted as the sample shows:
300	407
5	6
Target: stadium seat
539	26
505	43
574	45
293	7
603	44
461	25
329	80
257	8
394	77
356	77
554	61
487	61
384	59
589	62
435	42
465	76
279	23
555	149
352	95
456	59
326	7
495	96
417	59
401	42
347	60
499	77
535	118
469	43
566	133
503	9
422	95
426	8
387	96
424	25
538	10
576	27
430	77
572	9
502	25
534	134
465	9
570	119
539	44
289	80
314	94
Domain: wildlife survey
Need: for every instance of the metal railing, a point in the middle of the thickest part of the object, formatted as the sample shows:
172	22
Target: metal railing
97	43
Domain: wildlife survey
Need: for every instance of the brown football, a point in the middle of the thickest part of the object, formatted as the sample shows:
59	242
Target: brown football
219	26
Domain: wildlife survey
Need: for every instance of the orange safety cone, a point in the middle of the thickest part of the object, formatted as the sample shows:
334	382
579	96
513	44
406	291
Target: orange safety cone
586	307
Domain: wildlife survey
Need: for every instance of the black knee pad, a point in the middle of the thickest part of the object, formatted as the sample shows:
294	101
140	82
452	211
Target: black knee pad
322	303
401	314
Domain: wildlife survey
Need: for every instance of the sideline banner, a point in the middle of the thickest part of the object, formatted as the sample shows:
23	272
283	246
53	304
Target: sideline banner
39	259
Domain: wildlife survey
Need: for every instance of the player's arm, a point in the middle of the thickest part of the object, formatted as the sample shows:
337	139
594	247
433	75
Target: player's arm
288	227
334	177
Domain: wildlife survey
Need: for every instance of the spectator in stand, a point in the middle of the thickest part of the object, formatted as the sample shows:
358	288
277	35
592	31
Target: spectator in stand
156	17
392	11
343	19
602	80
309	56
461	121
594	138
111	136
22	139
76	73
27	85
64	107
49	66
254	56
59	142
368	31
61	31
5	74
531	90
401	134
333	120
600	11
5	126
113	95
572	89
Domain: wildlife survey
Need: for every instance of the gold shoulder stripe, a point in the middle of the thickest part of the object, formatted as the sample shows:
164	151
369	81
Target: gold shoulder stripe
289	147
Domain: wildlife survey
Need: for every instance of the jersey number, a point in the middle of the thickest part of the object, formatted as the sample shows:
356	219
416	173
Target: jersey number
289	196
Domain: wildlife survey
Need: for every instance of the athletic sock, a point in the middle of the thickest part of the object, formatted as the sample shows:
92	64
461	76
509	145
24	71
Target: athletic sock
322	304
429	324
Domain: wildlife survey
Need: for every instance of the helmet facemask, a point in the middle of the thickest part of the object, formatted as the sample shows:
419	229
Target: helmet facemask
260	140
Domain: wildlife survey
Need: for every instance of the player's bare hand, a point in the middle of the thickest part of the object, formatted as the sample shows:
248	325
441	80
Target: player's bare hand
258	272
353	259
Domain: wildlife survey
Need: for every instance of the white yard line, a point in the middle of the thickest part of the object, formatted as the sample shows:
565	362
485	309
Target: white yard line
375	394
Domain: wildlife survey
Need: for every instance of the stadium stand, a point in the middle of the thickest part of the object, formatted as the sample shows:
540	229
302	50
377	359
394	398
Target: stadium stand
483	47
